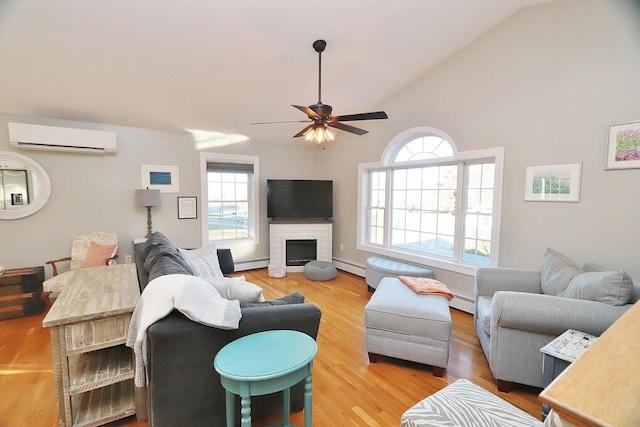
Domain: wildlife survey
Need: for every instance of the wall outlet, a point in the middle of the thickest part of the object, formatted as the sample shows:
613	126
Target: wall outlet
341	247
127	259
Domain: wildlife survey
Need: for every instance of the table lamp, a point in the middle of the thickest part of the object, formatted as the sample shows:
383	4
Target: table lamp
148	198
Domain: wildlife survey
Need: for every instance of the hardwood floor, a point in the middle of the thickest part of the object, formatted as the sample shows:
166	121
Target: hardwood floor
347	390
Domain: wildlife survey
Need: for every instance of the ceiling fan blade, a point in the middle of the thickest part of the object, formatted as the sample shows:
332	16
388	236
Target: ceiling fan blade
362	116
348	128
299	134
285	121
308	111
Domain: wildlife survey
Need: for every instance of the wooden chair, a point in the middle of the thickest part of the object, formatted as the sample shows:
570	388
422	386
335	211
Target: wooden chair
87	250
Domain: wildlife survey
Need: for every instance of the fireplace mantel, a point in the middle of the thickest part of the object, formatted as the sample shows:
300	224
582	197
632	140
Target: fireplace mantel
280	232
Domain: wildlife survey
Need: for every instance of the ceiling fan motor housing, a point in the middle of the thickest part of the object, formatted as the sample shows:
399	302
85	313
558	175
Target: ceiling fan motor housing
323	110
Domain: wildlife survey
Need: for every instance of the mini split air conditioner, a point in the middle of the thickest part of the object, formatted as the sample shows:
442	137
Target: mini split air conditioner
38	137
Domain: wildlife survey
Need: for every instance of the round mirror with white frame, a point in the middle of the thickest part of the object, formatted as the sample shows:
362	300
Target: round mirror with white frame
25	186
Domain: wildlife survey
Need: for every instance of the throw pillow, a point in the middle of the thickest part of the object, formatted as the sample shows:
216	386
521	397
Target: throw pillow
557	272
203	261
293	298
205	266
98	255
236	288
609	287
226	261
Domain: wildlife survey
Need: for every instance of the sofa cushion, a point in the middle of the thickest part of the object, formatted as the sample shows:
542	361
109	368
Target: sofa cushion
203	261
484	313
292	298
166	265
557	272
609	287
236	288
159	246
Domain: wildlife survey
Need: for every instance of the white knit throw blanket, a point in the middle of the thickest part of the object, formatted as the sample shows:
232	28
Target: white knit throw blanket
192	296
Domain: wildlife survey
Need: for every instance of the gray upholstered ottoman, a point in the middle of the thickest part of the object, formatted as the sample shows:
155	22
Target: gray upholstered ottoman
465	404
379	268
320	270
402	324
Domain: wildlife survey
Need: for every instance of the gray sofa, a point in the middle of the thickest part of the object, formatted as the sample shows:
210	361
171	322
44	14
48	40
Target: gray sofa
183	387
520	311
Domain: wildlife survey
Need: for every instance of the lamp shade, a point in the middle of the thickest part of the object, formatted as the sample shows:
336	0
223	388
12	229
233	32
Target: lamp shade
147	197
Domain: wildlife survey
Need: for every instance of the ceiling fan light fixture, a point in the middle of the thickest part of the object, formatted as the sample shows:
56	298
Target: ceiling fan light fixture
319	134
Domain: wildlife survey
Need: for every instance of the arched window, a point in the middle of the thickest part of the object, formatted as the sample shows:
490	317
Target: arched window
426	199
424	147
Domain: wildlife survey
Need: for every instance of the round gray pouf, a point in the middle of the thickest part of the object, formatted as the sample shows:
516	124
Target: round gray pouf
320	271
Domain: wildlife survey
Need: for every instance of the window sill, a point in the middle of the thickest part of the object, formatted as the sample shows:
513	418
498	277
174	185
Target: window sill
424	260
231	243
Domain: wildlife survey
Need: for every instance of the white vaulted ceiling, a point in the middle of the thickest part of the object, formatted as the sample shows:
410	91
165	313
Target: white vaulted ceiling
218	65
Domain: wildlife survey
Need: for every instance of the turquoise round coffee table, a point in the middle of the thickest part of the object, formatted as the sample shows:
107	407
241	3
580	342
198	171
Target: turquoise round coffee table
264	363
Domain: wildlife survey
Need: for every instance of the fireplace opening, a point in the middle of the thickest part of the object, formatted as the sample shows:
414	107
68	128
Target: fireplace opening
300	252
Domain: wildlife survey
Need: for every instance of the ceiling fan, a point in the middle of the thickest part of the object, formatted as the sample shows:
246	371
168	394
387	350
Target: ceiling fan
320	114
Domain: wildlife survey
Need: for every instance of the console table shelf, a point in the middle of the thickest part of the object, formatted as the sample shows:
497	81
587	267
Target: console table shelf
104	405
88	371
93	369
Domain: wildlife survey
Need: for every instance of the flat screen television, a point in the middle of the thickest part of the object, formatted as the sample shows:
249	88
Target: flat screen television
299	199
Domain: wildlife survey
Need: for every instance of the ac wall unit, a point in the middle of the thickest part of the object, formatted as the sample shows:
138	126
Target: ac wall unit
39	137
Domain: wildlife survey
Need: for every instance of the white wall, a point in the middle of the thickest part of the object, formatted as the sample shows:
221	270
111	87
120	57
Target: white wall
96	192
545	84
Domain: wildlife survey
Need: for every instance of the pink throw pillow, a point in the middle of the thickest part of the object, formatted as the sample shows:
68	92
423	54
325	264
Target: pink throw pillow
98	255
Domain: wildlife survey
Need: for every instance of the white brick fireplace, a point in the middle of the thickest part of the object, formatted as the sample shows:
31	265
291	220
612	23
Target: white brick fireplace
280	232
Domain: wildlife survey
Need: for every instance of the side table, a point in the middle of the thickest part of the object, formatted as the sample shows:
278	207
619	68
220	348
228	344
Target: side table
560	353
264	363
20	292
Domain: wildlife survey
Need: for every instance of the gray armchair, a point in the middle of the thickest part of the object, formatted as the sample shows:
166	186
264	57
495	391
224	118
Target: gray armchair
514	319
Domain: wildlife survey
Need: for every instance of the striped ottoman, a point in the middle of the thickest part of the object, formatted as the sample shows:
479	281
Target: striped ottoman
464	404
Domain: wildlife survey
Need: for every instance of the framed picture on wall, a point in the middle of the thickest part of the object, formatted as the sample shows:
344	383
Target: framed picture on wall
187	207
163	178
623	146
554	183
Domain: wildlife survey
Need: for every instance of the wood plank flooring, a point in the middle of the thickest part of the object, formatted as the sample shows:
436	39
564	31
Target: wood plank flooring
347	390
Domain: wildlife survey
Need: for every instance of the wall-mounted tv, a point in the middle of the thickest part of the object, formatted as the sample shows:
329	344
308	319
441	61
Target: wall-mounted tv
299	199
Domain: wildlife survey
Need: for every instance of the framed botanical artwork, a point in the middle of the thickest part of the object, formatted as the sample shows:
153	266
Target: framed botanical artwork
163	178
187	207
623	146
554	183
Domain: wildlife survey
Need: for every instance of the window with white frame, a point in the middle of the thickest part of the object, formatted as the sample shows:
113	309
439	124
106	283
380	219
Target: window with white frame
426	200
229	192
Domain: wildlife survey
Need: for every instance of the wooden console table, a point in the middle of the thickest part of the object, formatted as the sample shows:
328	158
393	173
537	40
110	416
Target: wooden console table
21	292
92	368
602	387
